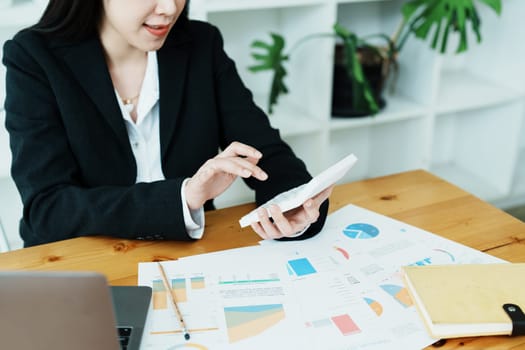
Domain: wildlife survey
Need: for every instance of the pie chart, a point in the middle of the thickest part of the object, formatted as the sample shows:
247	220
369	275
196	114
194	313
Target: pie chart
361	231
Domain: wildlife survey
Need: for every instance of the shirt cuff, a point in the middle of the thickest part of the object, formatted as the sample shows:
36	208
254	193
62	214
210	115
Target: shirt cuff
193	219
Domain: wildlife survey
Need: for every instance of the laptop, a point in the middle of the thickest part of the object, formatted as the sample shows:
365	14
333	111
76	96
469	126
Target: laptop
70	310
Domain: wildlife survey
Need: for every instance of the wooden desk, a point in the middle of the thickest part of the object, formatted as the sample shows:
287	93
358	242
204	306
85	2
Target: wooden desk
417	198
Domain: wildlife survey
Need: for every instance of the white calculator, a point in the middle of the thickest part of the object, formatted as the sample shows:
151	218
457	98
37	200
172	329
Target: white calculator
298	195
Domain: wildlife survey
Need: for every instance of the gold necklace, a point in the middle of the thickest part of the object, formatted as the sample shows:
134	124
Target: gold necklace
128	101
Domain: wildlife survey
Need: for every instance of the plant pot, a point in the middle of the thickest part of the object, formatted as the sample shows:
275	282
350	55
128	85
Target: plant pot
375	70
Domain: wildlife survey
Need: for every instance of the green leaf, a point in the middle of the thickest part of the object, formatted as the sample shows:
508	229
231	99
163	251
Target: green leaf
341	31
362	96
260	68
494	4
271	58
409	8
260	44
258	56
423	16
476	24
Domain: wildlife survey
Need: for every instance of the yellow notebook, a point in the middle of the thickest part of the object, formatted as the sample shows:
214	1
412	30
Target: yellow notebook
466	300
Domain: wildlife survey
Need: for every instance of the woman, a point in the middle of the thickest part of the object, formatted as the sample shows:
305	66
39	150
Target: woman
116	110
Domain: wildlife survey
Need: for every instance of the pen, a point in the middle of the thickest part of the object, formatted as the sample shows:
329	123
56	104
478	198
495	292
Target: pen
174	302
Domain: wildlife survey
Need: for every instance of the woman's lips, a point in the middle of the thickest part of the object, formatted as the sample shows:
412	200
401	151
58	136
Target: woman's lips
157	30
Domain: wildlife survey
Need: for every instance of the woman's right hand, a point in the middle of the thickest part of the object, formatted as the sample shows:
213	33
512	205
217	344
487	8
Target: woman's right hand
218	173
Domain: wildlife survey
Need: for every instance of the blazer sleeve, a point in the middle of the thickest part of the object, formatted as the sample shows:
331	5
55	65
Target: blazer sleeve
243	121
58	202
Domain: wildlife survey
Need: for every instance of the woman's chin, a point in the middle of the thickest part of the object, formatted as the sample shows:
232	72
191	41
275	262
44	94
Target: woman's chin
150	45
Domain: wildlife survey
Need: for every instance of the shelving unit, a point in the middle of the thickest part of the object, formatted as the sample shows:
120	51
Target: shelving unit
457	116
460	117
461	91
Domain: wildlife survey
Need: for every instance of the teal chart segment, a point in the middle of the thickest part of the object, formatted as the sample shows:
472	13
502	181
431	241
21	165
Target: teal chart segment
361	231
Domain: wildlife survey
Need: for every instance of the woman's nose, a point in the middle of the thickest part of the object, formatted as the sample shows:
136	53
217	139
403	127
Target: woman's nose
166	7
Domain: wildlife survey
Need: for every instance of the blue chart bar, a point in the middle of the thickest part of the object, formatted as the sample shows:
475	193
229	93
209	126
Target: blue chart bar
301	267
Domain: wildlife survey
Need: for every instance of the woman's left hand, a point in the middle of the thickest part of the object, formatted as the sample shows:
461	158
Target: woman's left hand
290	223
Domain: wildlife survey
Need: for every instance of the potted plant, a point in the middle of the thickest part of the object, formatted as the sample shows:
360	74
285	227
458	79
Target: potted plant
361	70
362	65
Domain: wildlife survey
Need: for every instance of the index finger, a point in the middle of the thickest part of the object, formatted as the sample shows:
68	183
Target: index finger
240	149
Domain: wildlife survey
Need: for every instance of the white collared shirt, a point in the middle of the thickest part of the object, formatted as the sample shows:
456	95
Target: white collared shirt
144	138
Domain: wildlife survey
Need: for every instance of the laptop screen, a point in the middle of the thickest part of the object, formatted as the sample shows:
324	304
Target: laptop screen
68	310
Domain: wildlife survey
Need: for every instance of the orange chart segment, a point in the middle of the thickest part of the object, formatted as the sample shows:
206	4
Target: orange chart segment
178	285
160	300
400	294
197	283
248	321
160	295
375	306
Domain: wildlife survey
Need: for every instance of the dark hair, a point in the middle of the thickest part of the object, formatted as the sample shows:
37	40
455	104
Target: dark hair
76	19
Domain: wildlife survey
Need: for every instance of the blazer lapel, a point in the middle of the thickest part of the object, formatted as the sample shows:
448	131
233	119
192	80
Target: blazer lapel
173	62
86	61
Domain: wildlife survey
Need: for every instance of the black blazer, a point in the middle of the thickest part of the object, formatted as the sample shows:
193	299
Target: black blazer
72	161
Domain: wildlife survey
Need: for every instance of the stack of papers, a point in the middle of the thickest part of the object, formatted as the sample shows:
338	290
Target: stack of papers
342	289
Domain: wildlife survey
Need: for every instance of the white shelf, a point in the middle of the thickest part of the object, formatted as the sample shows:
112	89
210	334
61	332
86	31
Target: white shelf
239	5
517	195
468	181
460	91
519	178
398	108
290	119
20	15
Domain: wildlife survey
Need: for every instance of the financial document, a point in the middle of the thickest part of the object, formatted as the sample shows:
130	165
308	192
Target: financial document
341	289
